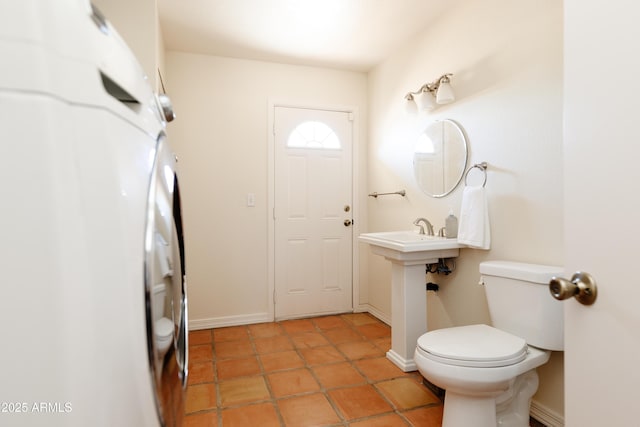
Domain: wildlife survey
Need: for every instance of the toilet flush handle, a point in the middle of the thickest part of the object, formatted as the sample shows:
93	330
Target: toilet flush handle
582	286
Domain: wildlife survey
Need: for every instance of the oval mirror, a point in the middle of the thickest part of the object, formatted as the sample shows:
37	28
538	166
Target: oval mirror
440	158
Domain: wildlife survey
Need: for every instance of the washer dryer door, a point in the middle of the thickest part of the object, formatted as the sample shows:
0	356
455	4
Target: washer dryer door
164	267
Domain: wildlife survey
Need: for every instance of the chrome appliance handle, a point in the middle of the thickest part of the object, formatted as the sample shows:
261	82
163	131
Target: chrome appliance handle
182	339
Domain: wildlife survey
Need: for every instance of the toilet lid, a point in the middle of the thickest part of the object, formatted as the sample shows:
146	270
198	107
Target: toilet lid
163	328
473	346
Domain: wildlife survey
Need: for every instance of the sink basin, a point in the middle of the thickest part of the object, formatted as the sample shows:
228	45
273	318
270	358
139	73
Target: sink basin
411	246
408	241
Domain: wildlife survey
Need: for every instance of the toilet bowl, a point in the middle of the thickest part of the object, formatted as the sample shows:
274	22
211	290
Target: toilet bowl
489	372
476	381
163	327
163	332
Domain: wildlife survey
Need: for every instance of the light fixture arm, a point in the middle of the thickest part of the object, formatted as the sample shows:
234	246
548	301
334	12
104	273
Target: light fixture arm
429	87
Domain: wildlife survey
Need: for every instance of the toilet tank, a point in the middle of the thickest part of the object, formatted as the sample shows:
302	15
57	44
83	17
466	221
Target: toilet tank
520	302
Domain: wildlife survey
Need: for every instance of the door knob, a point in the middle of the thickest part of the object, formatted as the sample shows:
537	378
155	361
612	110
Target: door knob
347	222
582	286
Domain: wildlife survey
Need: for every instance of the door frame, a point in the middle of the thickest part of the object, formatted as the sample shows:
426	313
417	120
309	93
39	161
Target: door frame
355	186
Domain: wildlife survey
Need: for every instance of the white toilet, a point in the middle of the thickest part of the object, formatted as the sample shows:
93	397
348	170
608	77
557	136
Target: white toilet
162	326
489	373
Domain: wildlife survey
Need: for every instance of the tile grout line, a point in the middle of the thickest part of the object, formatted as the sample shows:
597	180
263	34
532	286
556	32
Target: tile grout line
369	381
316	323
216	380
263	373
351	363
324	390
374	383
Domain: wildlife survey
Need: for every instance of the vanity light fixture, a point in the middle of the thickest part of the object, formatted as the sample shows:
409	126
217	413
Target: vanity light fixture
431	94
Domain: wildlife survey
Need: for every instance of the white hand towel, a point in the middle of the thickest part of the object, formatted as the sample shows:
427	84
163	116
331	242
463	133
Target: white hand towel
474	230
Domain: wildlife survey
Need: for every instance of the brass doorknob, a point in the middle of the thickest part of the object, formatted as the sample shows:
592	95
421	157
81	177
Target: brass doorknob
582	286
347	222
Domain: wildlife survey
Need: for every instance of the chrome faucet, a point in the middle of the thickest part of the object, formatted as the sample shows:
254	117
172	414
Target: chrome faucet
427	223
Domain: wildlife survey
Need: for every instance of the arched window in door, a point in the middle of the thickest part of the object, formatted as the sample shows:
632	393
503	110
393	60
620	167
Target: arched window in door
312	134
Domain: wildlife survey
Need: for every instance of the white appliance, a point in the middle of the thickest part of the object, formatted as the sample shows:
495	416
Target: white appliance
93	305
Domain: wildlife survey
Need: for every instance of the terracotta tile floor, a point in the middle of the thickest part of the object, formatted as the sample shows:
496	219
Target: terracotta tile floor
323	371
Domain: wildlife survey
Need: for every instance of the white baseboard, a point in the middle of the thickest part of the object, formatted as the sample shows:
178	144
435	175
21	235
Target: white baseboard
377	313
246	319
361	308
219	322
545	415
402	363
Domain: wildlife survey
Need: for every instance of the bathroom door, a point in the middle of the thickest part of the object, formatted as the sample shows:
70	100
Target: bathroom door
312	212
602	207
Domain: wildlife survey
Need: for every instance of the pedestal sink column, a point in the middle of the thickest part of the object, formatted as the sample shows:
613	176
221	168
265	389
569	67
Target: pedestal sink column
408	312
408	253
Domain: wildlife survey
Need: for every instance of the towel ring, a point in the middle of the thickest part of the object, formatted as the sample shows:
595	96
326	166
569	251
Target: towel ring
483	167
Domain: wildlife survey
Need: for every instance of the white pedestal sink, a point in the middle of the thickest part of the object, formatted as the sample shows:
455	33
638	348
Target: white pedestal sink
408	252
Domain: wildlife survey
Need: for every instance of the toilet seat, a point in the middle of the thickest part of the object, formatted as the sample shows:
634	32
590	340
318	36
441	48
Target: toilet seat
473	346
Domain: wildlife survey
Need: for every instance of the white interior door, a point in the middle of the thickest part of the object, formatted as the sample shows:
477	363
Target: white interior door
313	212
602	203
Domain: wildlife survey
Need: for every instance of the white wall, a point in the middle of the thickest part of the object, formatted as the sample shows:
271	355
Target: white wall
221	138
137	23
507	62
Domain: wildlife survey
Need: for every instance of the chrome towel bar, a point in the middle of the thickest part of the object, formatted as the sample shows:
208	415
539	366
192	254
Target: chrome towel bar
399	192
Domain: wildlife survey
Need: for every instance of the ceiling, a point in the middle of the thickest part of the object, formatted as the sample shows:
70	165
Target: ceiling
346	34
